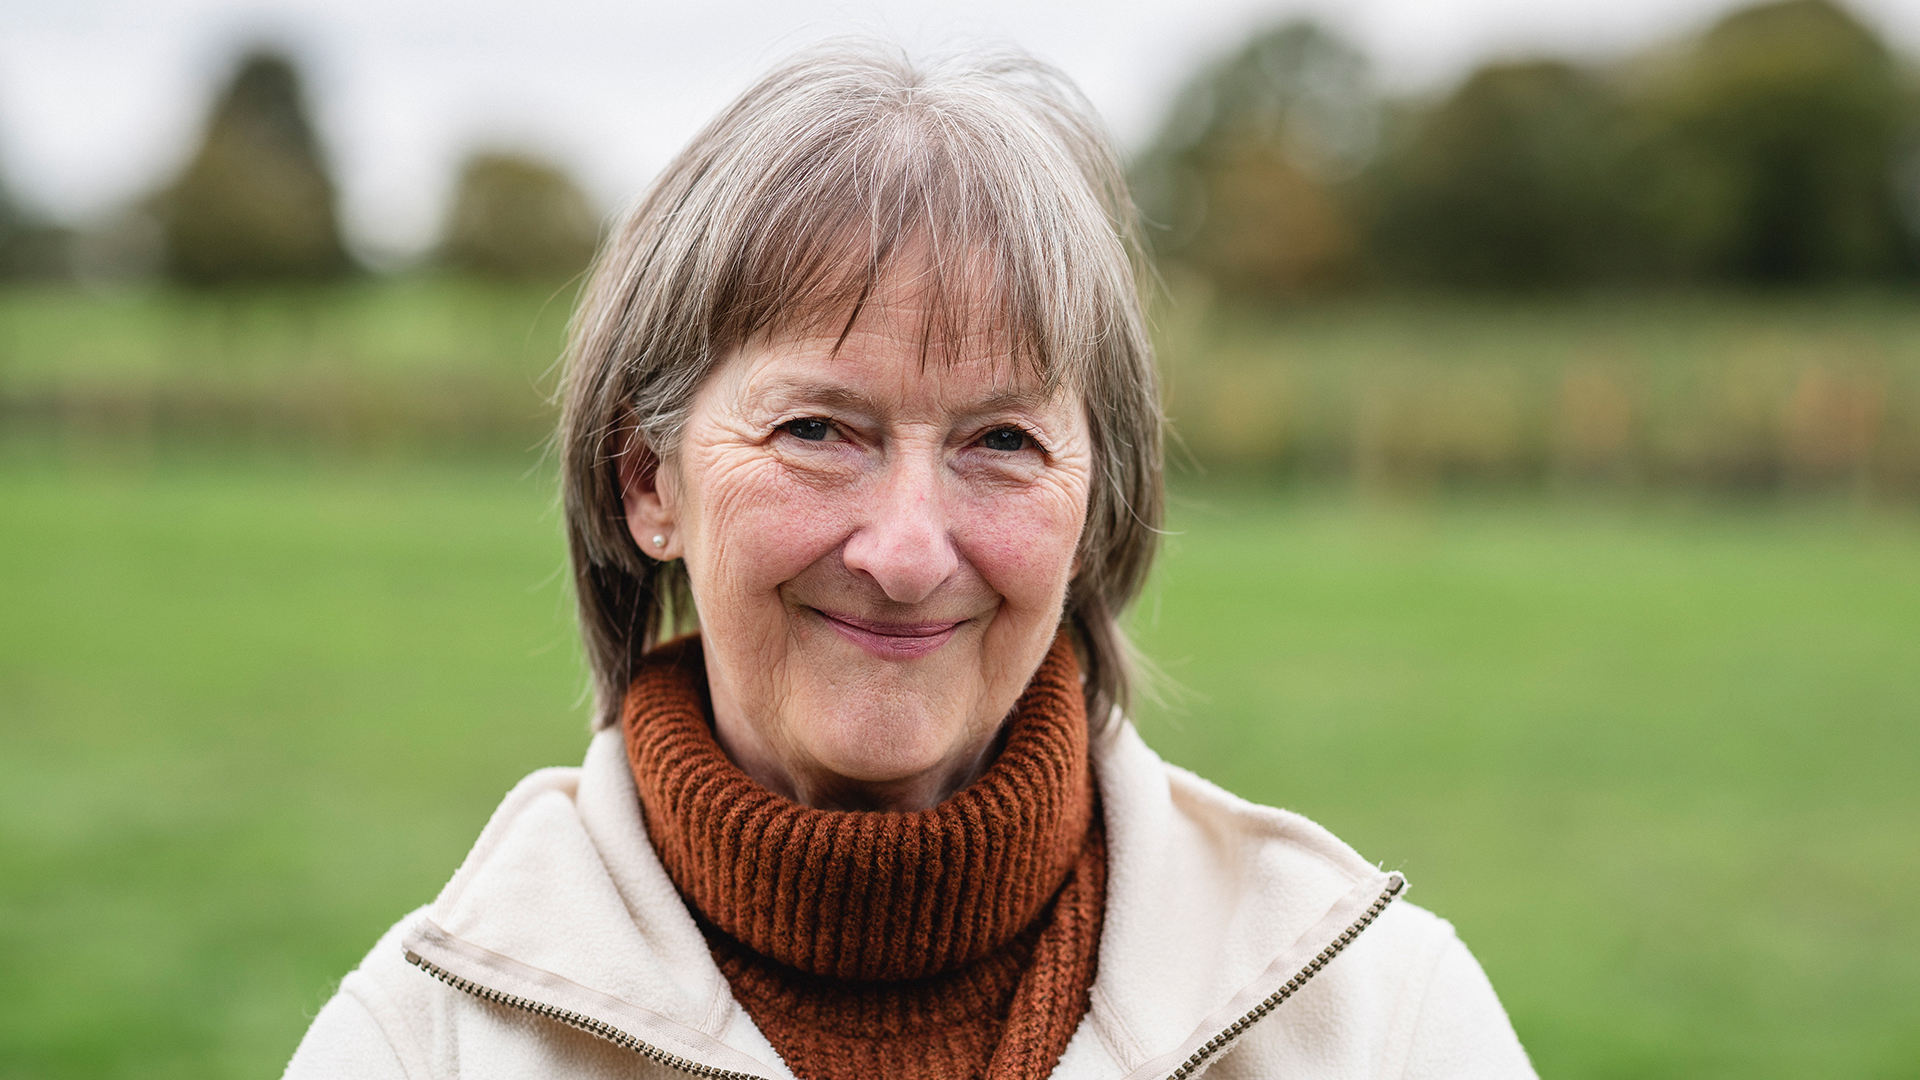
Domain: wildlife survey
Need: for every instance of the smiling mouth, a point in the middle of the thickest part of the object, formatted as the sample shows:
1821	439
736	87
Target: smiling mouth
891	641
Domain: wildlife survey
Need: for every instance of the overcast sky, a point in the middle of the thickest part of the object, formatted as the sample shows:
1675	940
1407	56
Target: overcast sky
101	99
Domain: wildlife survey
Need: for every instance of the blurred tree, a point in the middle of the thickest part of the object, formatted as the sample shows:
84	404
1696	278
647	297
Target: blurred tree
1782	141
29	246
514	216
1781	146
36	250
1515	180
1247	180
255	203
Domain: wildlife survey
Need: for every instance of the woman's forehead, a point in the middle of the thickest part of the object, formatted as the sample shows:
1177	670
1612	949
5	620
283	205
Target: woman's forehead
954	296
891	358
936	318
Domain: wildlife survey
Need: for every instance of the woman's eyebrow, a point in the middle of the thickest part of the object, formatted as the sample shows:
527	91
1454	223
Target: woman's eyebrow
838	396
1020	400
831	395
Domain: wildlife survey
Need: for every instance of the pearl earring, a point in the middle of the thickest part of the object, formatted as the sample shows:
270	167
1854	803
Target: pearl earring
659	541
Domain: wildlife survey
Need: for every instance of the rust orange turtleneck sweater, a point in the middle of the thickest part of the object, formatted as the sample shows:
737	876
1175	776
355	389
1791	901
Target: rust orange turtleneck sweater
954	942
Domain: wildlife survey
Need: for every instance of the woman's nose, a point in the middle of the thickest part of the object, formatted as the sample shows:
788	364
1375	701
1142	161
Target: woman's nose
903	544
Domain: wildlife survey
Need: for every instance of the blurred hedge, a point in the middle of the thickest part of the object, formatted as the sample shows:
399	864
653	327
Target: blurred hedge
1699	392
1721	392
428	363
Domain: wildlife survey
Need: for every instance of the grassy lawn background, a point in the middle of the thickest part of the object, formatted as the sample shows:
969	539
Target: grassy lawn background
253	715
1654	762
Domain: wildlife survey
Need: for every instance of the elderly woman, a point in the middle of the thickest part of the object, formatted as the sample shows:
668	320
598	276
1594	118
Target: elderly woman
862	466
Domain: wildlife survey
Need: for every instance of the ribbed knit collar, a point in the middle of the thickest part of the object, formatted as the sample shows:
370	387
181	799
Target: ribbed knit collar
867	895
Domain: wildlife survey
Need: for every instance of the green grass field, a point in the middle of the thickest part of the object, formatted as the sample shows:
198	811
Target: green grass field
1655	762
1657	765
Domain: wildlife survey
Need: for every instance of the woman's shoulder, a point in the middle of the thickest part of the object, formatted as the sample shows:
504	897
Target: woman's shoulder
1166	818
558	913
1251	940
1405	1000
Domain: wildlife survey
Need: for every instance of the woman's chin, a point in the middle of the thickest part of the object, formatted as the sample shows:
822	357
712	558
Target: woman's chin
868	763
887	765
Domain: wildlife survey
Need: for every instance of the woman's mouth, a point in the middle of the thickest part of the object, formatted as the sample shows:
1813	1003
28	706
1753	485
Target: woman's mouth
891	641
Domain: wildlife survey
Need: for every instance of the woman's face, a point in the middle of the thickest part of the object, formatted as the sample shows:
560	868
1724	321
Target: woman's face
879	545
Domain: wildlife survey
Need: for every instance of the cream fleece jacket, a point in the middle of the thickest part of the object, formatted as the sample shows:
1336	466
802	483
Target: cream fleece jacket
1240	941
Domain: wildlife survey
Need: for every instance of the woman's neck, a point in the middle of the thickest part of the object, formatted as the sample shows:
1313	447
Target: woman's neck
810	783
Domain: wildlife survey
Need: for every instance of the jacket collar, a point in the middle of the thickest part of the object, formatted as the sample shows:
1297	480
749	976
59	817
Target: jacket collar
1213	905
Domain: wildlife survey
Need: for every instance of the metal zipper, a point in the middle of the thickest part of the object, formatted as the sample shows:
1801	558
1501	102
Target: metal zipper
574	1020
1220	1042
1187	1068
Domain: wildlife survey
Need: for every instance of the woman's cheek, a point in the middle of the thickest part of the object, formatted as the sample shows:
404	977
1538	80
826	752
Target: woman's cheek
772	522
1024	546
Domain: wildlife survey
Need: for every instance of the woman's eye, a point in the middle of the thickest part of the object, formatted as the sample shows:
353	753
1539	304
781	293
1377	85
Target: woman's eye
1006	439
810	428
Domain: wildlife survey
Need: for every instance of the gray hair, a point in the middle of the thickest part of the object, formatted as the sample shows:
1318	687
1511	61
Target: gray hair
784	214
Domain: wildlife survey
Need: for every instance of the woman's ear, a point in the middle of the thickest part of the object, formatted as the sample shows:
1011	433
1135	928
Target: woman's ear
647	497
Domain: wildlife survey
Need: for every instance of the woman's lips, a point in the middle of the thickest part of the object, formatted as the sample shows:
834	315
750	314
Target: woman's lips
891	641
